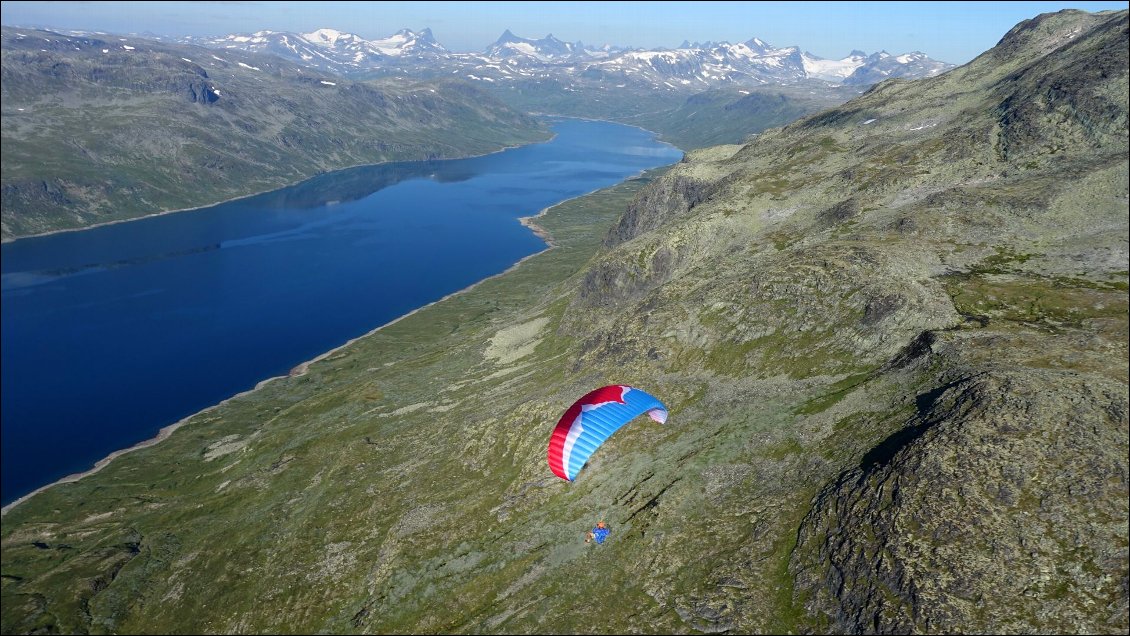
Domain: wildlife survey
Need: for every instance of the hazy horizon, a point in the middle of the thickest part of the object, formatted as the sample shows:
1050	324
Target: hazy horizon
953	32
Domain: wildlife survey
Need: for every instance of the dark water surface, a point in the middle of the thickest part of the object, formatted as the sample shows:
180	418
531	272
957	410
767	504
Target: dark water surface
111	333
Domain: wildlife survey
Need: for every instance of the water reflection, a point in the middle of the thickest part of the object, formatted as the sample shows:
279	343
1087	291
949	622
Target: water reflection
354	184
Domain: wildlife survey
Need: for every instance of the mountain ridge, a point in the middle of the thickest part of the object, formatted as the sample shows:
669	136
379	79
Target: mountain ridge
752	61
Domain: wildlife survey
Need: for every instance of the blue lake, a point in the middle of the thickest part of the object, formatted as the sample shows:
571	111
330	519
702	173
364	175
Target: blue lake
111	333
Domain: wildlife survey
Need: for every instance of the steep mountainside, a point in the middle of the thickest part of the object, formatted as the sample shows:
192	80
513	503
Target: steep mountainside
892	338
101	129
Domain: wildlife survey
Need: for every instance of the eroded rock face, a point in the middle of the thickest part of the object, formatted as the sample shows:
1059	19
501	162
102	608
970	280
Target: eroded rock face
1000	508
674	197
1058	104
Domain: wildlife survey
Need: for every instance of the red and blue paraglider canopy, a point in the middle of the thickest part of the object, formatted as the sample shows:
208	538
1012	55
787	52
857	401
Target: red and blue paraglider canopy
593	419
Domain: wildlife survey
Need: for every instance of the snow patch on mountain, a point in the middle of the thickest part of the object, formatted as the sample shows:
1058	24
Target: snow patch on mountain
831	70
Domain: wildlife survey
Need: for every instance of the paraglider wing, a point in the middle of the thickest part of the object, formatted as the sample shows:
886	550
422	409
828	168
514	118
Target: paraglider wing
593	419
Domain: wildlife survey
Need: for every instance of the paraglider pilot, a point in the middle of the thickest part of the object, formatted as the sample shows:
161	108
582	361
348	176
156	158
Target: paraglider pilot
598	534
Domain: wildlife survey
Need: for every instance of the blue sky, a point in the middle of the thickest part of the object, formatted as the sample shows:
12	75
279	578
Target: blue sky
950	31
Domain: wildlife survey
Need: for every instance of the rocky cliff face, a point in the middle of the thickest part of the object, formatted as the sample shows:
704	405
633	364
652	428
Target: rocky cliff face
1000	504
892	338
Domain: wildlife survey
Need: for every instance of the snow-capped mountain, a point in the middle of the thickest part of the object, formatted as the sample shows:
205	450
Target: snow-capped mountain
333	50
410	43
833	70
696	66
548	49
756	61
883	65
862	69
704	65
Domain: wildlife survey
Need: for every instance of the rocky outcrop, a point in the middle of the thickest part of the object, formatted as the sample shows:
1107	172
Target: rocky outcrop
671	198
613	281
1000	507
1054	105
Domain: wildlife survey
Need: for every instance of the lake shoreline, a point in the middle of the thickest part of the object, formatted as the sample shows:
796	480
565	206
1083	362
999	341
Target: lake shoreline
13	239
297	371
529	222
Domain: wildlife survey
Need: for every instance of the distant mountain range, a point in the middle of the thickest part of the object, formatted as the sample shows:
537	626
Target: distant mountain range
332	50
283	89
696	66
